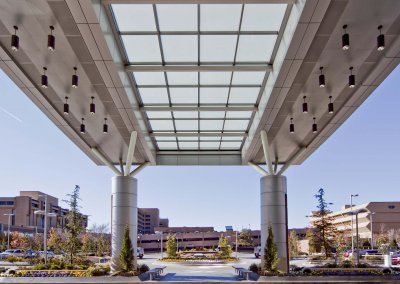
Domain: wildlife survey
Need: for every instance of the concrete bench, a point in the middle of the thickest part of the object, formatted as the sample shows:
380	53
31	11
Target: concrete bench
155	272
242	272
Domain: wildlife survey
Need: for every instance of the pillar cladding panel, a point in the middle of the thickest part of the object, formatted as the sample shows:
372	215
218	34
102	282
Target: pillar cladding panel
274	213
124	212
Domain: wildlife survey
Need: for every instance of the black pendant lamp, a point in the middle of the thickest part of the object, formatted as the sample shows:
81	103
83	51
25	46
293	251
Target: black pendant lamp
92	107
314	126
345	39
15	40
75	79
105	126
83	126
380	40
51	40
321	78
330	105
352	78
305	105
44	79
66	106
291	126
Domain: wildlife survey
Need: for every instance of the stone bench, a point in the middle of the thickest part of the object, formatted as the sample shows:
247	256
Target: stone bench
155	272
242	272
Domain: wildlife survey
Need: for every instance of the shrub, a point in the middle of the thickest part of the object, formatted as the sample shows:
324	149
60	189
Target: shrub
254	267
96	271
13	258
143	268
387	271
330	265
306	271
347	264
363	265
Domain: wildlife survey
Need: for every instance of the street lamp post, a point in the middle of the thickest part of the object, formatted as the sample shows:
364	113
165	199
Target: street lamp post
8	229
351	210
161	242
41	212
372	232
236	245
356	213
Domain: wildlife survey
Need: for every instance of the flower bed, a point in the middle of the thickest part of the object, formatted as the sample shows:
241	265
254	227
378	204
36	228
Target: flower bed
51	273
346	271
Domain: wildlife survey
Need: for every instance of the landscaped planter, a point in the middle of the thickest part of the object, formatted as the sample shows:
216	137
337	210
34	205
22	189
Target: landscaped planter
346	271
51	273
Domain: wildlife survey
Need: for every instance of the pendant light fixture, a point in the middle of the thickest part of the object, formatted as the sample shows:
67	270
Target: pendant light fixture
380	40
44	79
321	78
83	126
314	126
66	106
15	40
330	105
51	40
105	126
291	126
345	39
75	79
92	107
305	105
352	78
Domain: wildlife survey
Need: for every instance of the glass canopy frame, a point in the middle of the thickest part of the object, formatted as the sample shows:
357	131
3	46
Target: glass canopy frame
192	109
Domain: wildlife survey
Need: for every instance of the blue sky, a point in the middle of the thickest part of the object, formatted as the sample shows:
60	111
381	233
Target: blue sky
361	157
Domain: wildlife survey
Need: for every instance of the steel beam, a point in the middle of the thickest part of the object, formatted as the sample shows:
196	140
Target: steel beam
201	108
139	169
105	161
108	2
265	144
259	169
202	134
131	151
196	68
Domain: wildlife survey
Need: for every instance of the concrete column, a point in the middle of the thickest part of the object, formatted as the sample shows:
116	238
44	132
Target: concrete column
274	212
123	212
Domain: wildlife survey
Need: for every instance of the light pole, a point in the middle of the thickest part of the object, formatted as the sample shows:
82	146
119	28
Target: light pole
372	232
41	212
236	245
8	230
351	210
356	213
161	243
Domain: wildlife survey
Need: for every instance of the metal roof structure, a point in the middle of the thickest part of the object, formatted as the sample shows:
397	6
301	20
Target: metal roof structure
199	81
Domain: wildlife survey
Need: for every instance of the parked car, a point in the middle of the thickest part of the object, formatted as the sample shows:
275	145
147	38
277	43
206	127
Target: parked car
12	252
139	252
50	254
257	251
396	259
366	252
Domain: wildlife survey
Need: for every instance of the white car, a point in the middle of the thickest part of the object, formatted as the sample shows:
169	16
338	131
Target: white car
139	252
12	252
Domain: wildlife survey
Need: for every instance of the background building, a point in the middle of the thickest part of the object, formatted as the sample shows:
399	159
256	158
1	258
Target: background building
148	219
23	207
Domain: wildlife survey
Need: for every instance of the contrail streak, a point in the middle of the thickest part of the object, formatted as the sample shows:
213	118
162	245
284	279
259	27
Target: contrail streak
11	115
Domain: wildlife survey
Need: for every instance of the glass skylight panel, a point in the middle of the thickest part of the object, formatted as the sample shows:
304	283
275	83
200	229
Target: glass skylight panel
154	95
180	48
167	145
263	17
230	145
242	95
142	48
256	48
210	138
164	138
183	125
206	125
220	17
239	114
236	125
187	138
248	78
134	17
217	48
215	78
177	17
184	95
182	78
232	138
212	114
159	114
186	114
209	145
213	95
188	145
149	78
161	125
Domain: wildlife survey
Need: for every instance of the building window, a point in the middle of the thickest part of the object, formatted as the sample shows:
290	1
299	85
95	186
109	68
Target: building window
6	203
391	206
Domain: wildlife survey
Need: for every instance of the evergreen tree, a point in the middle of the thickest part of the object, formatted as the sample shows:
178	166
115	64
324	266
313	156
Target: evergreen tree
293	244
171	246
224	248
324	231
73	226
270	252
245	238
126	256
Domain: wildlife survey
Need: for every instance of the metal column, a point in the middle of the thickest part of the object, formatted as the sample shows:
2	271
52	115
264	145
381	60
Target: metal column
274	212
123	212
